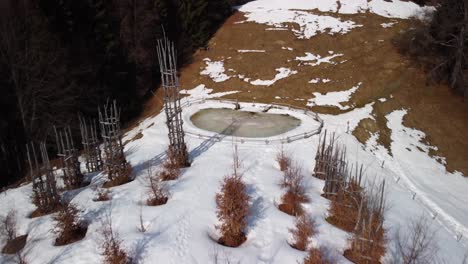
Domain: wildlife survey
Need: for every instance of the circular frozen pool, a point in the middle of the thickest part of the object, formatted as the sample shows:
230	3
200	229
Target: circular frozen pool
243	123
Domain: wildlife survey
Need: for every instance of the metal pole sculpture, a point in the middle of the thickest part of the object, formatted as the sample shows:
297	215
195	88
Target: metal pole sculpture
170	82
89	139
115	163
45	194
72	176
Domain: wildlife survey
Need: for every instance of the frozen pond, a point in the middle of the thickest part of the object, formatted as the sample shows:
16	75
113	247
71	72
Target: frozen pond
242	123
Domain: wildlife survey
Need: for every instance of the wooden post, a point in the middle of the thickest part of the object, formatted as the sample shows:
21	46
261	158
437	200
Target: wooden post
45	194
72	176
170	82
89	139
115	163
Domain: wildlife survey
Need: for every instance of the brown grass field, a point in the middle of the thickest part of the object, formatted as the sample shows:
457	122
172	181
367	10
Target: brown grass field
371	58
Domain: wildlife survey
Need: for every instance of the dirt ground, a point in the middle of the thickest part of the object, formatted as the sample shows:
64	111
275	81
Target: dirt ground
370	57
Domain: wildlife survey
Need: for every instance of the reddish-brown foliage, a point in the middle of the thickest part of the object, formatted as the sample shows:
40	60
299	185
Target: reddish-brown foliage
284	161
111	248
157	191
303	230
344	207
171	167
232	211
123	177
67	226
293	182
102	195
317	256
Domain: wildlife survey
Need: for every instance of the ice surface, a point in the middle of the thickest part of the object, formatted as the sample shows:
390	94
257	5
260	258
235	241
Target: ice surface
243	123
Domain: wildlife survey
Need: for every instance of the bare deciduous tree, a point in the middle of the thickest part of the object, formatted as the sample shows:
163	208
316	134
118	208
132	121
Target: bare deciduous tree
415	244
9	225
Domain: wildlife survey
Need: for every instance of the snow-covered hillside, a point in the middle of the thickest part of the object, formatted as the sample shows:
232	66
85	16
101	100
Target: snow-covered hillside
183	230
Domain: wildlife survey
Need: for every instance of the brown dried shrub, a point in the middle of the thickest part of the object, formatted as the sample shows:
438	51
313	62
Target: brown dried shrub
304	229
102	195
368	240
293	182
14	244
123	176
283	159
171	167
157	191
67	226
111	248
344	207
317	256
232	211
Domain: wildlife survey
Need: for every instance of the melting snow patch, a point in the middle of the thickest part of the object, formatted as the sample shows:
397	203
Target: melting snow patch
382	99
202	92
388	25
287	48
215	69
244	51
333	98
282	73
317	80
309	59
394	9
309	24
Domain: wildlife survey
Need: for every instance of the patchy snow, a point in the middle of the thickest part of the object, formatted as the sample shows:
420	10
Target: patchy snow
333	98
388	25
383	99
282	73
202	92
216	71
317	80
287	48
393	9
309	24
253	51
314	60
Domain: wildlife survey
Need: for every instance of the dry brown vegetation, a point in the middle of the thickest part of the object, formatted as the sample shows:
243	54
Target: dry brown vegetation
371	57
67	226
158	193
293	182
344	207
368	238
304	229
233	207
171	166
111	248
8	228
283	159
122	177
317	256
102	195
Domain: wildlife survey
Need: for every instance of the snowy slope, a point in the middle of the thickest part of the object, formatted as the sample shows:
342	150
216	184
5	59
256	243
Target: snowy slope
182	231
